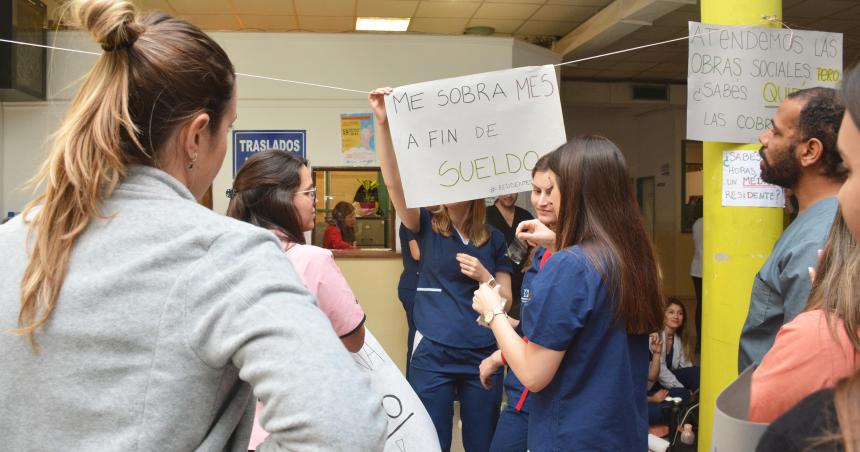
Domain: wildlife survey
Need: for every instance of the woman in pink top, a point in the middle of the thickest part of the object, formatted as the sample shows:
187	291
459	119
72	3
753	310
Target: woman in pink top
820	346
274	190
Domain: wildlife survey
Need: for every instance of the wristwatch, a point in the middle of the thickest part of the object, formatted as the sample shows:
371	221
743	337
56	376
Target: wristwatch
491	314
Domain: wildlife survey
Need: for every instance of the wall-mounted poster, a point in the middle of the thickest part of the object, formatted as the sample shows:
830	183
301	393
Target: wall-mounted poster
247	142
357	137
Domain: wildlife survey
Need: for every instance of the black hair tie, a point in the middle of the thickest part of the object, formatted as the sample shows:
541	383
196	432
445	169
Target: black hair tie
231	193
123	45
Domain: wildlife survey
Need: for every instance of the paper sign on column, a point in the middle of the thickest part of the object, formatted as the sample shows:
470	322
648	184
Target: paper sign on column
476	136
742	184
737	76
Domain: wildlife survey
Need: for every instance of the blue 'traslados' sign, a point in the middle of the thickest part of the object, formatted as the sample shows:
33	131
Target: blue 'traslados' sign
247	142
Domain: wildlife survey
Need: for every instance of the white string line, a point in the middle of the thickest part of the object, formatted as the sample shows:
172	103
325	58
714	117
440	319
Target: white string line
302	83
298	82
49	47
653	44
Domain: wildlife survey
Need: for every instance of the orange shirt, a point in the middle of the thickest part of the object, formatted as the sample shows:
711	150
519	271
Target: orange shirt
804	358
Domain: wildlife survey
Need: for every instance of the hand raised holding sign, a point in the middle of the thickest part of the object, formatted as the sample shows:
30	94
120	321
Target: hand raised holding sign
377	104
411	218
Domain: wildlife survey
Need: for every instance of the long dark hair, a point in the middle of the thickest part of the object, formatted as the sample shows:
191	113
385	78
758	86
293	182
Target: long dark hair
155	73
263	193
599	213
338	219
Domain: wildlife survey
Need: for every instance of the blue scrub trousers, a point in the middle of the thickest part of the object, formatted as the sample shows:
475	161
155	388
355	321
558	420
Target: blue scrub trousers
512	430
440	374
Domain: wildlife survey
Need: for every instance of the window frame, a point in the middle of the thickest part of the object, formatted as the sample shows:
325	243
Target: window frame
323	198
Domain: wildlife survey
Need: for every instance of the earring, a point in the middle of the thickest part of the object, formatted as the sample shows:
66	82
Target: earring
191	163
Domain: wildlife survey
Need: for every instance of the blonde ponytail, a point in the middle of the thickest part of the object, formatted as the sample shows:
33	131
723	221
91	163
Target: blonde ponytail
85	164
145	85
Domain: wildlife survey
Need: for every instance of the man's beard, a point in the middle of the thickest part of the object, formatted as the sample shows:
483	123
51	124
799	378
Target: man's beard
784	171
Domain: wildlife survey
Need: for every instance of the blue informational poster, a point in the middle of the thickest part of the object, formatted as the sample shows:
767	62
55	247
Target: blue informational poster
247	142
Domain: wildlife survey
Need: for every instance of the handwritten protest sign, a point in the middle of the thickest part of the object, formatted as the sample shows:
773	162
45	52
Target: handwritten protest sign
737	76
742	184
409	426
476	136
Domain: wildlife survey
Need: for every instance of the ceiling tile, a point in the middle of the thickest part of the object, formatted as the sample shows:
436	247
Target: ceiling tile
330	8
386	8
438	9
565	13
155	5
326	24
677	19
265	7
269	23
597	3
818	8
500	25
505	11
655	33
209	7
534	2
578	72
213	21
546	28
438	25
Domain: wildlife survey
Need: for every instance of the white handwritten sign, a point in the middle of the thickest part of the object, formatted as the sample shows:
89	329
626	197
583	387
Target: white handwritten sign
474	137
737	76
742	184
409	426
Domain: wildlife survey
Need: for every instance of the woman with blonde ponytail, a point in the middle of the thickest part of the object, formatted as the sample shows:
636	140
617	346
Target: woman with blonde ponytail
134	318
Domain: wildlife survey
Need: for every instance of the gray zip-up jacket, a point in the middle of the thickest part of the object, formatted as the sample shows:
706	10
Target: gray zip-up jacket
168	316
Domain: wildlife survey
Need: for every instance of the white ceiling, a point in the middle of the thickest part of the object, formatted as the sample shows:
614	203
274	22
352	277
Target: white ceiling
538	21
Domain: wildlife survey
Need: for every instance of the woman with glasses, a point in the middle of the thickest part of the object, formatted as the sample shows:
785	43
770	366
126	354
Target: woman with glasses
274	190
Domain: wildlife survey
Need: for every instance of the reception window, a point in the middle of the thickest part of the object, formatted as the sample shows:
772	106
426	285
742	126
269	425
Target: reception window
354	212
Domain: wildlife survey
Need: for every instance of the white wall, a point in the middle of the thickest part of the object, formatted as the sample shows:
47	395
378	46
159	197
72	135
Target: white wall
355	61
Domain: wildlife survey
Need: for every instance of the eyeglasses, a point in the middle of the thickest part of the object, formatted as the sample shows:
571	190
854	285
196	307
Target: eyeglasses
311	193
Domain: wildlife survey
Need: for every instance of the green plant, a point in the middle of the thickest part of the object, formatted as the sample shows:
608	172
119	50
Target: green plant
370	189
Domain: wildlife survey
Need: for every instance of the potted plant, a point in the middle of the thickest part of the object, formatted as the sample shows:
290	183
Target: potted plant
370	190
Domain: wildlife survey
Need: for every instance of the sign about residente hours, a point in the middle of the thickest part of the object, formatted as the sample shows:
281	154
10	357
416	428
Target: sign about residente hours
476	136
737	76
742	184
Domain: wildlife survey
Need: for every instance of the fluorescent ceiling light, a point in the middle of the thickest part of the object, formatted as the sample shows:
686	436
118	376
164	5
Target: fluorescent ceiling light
381	24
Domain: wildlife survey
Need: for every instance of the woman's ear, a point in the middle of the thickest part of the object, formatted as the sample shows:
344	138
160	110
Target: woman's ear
194	137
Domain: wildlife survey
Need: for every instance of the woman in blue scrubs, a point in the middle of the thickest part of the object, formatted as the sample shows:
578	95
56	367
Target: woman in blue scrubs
457	253
512	429
595	302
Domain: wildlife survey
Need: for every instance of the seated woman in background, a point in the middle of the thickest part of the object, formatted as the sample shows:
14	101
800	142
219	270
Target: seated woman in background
340	233
677	372
274	190
820	346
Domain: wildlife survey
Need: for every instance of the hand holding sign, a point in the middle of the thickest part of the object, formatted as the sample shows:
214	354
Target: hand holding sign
377	104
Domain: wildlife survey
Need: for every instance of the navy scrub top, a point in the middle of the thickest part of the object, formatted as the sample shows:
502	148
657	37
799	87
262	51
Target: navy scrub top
596	400
513	387
443	300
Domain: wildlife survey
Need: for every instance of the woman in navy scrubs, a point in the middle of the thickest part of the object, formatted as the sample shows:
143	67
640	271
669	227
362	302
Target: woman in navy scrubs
594	303
457	253
512	429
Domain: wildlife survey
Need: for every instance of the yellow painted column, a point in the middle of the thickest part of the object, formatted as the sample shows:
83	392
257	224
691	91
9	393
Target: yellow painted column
737	241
